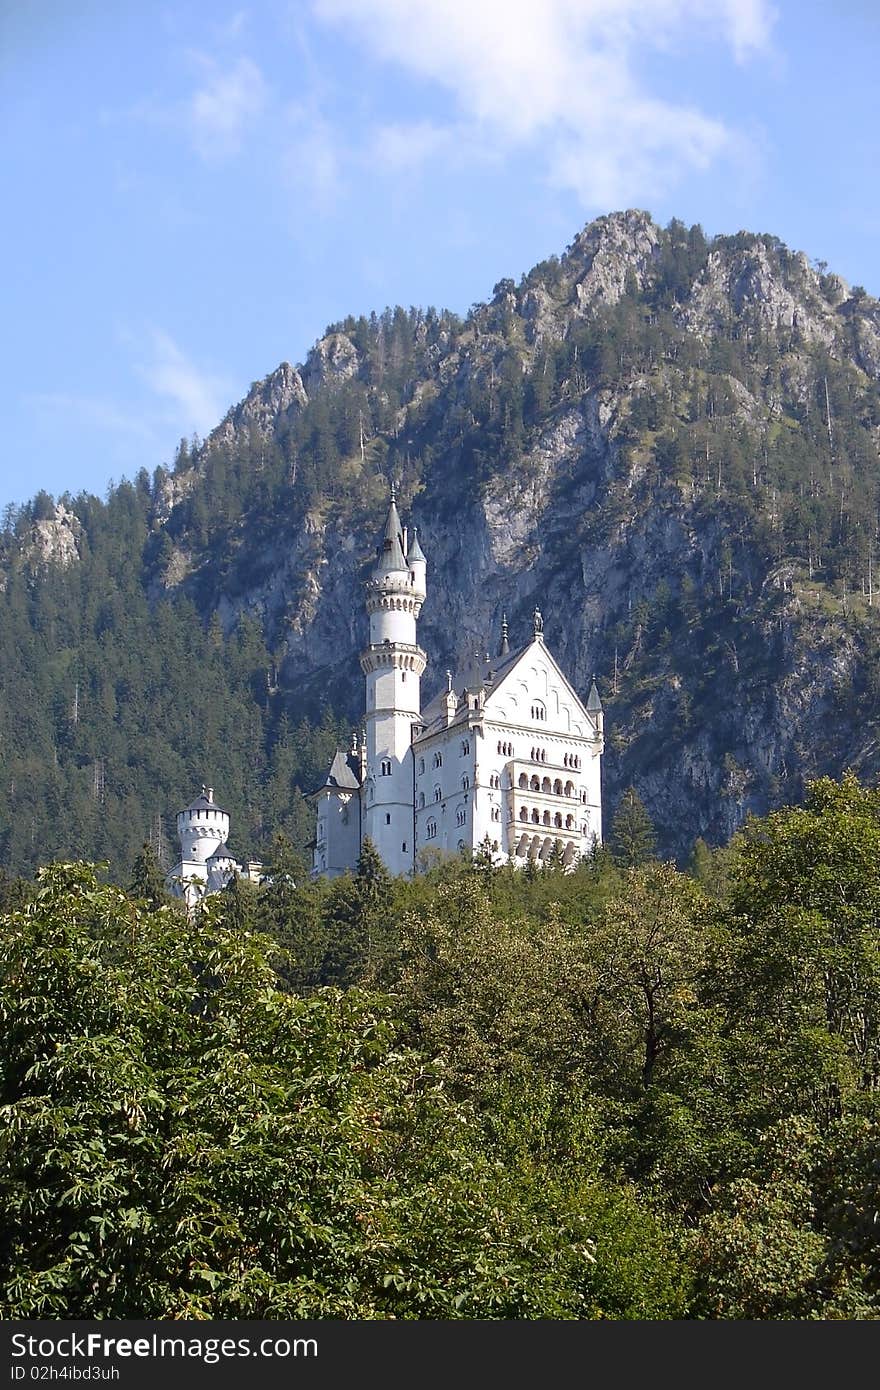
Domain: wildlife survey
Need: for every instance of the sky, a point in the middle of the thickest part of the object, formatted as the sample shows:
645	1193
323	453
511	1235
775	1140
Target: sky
193	192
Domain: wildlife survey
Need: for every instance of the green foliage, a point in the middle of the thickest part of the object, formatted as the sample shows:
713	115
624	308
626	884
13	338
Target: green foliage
632	835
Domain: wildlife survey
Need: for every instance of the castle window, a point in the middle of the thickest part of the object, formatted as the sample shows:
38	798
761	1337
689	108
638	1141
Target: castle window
546	818
499	748
496	813
465	747
465	782
545	785
584	797
569	789
403	848
557	787
523	780
437	794
460	816
438	759
539	711
431	829
421	800
536	817
387	818
535	784
569	822
385	767
421	765
557	821
403	675
583	827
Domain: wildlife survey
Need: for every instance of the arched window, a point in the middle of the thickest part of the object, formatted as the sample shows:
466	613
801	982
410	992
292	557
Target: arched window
385	767
460	816
438	759
437	794
465	782
543	755
421	800
465	747
557	787
546	818
584	797
557	821
536	817
431	829
524	815
569	822
535	784
496	813
421	764
545	785
523	780
499	748
539	711
569	789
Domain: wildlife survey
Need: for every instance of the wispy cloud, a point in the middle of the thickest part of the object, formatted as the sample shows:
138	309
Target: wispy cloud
225	106
94	411
561	74
198	398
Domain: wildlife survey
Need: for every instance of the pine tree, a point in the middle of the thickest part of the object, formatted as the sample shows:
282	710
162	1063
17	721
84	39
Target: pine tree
147	882
633	839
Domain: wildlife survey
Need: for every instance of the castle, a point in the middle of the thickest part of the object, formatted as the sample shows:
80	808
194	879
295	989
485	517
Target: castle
505	757
206	863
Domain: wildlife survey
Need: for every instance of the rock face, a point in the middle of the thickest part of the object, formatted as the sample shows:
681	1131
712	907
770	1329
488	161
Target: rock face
54	540
270	401
645	437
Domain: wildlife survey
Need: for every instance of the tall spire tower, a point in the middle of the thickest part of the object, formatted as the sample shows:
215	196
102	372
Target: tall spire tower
392	665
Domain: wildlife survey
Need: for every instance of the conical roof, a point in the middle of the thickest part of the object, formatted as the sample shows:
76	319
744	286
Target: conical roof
594	704
391	555
415	550
205	802
222	852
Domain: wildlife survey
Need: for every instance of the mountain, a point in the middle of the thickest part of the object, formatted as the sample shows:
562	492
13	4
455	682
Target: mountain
667	442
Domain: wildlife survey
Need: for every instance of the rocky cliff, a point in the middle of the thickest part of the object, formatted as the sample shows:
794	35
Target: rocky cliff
668	443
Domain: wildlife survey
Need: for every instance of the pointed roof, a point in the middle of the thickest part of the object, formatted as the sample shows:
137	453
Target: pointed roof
222	852
594	704
391	555
342	775
205	802
415	550
504	648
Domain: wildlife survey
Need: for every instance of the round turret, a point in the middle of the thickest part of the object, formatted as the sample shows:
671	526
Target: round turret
221	866
417	566
201	828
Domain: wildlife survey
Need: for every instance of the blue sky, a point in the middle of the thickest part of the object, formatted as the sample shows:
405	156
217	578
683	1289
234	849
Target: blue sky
193	192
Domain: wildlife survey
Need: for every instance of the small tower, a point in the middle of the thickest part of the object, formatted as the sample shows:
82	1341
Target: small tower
392	664
202	827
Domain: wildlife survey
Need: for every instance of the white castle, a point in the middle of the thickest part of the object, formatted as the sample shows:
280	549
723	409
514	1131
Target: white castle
507	757
206	864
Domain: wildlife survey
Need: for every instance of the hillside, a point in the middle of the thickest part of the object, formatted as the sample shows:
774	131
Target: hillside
668	442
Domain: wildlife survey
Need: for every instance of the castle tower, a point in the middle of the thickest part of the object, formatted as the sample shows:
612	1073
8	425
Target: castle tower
202	828
392	664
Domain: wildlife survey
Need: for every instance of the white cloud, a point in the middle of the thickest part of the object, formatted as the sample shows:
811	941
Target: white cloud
560	73
199	399
225	106
313	157
398	148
